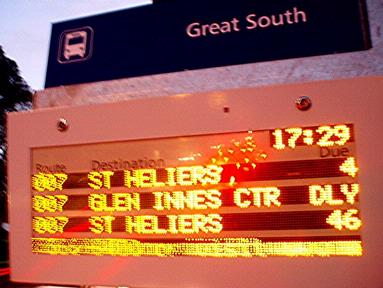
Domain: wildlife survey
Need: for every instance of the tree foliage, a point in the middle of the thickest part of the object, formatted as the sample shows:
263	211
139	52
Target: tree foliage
15	95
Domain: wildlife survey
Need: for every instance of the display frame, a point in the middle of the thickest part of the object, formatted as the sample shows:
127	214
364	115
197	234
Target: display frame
206	113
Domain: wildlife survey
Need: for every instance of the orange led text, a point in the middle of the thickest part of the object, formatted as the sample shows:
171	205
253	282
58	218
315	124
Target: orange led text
49	203
118	202
48	182
324	194
260	196
195	199
175	224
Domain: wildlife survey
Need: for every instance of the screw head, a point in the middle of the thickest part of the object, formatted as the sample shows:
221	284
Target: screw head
303	103
62	125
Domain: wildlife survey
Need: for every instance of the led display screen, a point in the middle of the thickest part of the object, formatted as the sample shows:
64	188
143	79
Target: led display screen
288	191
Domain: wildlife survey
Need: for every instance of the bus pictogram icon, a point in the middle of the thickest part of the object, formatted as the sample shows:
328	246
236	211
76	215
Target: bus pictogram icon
75	45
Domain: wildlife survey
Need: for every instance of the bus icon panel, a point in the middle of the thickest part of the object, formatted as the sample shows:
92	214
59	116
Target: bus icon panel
75	45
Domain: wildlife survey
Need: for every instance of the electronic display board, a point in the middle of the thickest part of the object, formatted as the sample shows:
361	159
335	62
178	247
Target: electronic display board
254	193
228	188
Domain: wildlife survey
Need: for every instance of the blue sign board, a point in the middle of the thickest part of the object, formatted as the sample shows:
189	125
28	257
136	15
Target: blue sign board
174	36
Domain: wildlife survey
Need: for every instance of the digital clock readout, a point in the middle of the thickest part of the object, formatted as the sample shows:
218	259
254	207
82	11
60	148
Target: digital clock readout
323	136
239	194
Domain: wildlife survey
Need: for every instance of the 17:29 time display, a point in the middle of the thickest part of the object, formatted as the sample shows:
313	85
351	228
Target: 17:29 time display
322	136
